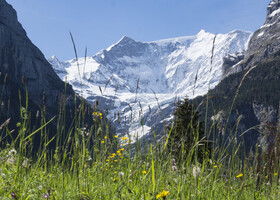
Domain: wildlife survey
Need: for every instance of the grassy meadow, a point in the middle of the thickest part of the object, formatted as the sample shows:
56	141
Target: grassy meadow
91	163
109	167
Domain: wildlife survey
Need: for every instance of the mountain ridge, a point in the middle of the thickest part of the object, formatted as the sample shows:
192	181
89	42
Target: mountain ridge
252	82
264	43
147	76
28	82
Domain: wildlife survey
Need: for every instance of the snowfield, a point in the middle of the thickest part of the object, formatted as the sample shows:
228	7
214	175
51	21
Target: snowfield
142	80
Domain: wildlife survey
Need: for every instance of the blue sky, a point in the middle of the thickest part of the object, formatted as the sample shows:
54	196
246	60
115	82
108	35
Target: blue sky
98	24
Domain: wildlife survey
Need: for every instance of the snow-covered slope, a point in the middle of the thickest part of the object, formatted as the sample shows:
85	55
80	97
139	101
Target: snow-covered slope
141	80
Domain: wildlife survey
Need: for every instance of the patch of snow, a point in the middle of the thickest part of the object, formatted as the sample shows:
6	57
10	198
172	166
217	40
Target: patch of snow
166	69
260	34
275	12
267	25
139	132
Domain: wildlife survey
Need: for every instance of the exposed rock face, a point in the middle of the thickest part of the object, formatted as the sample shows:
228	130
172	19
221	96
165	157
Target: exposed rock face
230	61
265	42
22	65
141	80
258	97
20	58
265	114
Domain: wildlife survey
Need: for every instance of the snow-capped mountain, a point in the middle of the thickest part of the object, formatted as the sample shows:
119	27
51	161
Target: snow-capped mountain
139	81
59	67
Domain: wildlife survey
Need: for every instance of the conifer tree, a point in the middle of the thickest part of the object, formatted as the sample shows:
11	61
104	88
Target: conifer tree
187	131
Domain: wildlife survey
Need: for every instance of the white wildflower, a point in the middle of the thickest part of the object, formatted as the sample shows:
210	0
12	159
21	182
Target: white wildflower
11	160
173	163
121	175
25	163
196	171
12	152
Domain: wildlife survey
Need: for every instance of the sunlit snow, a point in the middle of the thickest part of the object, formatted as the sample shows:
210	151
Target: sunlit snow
166	70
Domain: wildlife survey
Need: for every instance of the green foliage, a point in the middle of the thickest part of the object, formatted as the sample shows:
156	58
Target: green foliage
99	168
103	172
260	86
187	131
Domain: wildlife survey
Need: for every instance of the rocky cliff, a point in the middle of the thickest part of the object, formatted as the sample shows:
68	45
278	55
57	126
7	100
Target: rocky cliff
24	68
250	90
265	42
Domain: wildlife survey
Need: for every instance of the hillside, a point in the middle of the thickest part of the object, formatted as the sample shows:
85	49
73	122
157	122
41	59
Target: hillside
29	87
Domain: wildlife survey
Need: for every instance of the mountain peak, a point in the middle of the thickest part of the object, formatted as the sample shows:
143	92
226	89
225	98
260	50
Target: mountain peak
202	31
165	66
8	17
264	42
273	9
125	40
202	34
53	58
273	2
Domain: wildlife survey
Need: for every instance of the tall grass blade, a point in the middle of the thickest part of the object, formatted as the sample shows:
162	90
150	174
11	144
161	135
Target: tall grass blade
153	170
39	129
166	142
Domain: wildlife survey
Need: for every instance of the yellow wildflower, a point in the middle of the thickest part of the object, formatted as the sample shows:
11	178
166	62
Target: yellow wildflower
163	194
215	166
275	174
124	138
122	149
118	151
116	136
239	175
105	137
102	142
144	172
96	114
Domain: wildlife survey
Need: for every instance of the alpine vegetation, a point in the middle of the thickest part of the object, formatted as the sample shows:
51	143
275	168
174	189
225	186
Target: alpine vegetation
195	117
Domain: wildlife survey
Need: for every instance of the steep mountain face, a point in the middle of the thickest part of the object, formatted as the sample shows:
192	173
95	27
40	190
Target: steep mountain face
22	65
264	43
254	84
20	58
138	82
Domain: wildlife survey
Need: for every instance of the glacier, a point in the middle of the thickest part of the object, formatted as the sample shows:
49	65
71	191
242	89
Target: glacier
140	82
